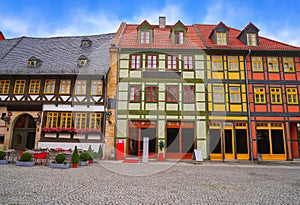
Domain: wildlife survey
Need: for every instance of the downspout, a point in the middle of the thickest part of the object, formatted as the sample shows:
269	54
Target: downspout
248	107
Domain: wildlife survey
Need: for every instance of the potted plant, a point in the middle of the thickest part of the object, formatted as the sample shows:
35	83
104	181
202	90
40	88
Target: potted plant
161	145
60	162
95	157
75	158
90	152
100	153
84	158
3	159
25	160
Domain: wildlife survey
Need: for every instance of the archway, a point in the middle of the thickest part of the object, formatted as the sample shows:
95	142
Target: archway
24	133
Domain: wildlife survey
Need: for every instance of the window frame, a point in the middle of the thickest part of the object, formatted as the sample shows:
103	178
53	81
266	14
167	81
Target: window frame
292	93
82	85
19	87
221	38
232	63
80	120
64	87
275	96
188	93
144	38
179	37
4	87
217	63
171	62
66	120
255	62
135	62
258	93
218	95
35	84
273	61
152	63
235	95
289	61
188	62
153	98
95	121
49	83
172	94
251	39
98	90
52	119
136	93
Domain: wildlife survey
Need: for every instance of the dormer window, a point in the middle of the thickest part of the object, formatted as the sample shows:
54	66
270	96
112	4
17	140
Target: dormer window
179	37
82	60
85	42
33	62
251	39
145	33
145	37
178	33
221	38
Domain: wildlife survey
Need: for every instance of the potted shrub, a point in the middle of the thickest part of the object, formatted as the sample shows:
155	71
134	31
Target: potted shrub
60	162
3	159
84	157
95	157
161	145
100	153
75	158
25	160
90	152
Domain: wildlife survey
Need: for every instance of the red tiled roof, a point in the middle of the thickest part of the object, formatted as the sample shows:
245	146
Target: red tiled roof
237	44
161	38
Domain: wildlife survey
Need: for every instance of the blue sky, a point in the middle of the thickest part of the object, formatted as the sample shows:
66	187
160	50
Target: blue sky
276	19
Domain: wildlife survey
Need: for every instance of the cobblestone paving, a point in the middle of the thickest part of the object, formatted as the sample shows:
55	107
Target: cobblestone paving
110	182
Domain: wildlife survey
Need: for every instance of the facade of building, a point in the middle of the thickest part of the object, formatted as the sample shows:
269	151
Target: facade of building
161	90
53	92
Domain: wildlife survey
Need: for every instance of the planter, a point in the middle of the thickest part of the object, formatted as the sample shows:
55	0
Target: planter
84	163
25	164
74	165
160	157
60	166
4	161
90	161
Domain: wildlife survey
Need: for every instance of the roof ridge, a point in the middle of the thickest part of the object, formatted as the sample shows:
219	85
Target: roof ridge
57	37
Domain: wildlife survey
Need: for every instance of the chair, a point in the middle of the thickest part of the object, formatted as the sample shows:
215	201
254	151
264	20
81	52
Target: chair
13	156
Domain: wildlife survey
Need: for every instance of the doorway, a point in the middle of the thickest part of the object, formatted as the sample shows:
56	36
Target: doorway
24	133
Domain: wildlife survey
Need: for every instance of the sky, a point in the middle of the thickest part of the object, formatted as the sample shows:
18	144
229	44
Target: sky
277	19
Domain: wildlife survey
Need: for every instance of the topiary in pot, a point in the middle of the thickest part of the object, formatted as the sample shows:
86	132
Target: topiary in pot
100	152
90	152
2	155
75	158
26	157
60	158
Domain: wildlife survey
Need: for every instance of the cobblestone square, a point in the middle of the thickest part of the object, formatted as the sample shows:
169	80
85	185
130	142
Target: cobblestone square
111	182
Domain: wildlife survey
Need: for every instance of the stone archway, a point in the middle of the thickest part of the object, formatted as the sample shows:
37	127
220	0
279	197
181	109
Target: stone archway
24	133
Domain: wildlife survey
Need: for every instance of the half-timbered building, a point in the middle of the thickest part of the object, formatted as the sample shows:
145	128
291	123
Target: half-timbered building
52	91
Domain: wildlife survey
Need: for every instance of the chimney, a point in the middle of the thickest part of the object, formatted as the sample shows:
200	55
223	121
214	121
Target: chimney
162	22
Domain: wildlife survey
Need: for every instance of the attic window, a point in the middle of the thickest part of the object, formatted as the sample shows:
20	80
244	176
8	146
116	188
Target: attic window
221	38
251	39
82	60
85	42
33	62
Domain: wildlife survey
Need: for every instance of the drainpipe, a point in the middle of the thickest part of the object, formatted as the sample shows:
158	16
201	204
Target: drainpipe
248	106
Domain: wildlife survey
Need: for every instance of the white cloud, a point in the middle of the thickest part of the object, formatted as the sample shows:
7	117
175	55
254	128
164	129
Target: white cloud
14	26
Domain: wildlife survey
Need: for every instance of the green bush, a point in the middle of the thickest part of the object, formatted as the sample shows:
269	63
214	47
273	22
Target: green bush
26	157
100	152
90	152
2	155
84	156
60	158
95	155
75	156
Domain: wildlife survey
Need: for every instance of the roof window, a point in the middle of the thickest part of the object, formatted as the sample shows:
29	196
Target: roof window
82	60
33	62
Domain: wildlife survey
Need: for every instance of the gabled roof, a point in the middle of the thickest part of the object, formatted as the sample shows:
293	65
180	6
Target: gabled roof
58	54
250	26
236	44
221	25
179	24
145	22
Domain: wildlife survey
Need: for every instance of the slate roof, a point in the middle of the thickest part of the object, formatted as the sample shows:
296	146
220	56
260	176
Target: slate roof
58	55
265	44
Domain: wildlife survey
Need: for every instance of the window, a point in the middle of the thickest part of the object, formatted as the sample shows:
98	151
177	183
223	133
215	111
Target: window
65	86
135	93
80	87
66	120
188	93
4	86
217	63
96	87
275	94
188	63
135	61
49	86
19	86
218	93
145	37
52	119
251	39
172	94
221	38
259	95
34	86
179	37
288	64
233	63
82	60
152	62
151	93
85	42
80	120
172	62
273	64
235	95
292	95
257	65
95	120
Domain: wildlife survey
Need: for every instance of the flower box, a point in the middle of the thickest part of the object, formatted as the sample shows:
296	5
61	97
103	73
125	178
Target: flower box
4	161
60	166
25	164
84	163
